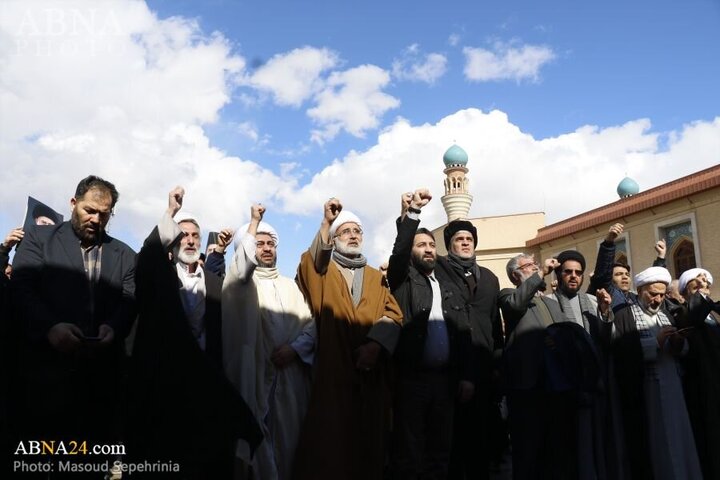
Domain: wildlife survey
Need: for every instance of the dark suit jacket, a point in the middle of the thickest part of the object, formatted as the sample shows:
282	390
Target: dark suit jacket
523	359
50	285
80	391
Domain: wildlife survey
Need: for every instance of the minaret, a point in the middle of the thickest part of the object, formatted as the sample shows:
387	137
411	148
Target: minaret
456	200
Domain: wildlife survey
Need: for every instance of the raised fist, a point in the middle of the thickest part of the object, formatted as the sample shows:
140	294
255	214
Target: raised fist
175	200
257	210
550	265
225	236
420	198
405	200
661	248
614	232
332	209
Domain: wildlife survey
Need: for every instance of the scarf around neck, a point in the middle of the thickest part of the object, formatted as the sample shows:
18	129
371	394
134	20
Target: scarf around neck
641	324
467	269
585	307
267	273
357	264
463	263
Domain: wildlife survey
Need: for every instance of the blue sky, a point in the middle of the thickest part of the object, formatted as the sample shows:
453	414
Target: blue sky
291	102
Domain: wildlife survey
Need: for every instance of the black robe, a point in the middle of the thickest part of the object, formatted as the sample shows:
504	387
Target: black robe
701	382
182	408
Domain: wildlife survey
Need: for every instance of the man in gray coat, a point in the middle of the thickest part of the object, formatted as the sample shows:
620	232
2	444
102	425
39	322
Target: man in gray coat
537	422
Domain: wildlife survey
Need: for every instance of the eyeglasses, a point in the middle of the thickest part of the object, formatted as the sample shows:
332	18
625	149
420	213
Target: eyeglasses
532	264
570	271
346	232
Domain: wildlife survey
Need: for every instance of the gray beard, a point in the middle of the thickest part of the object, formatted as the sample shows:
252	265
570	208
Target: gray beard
188	258
343	248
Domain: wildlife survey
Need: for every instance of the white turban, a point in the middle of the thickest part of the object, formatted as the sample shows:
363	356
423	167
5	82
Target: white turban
690	275
183	216
653	275
344	216
262	228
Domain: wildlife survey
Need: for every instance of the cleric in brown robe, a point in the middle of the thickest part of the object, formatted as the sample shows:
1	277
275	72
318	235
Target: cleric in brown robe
358	324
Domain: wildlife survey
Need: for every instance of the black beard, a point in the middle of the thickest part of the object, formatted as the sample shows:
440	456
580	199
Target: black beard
82	234
266	264
424	266
566	290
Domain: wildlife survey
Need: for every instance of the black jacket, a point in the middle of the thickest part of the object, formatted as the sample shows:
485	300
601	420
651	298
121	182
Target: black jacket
413	293
80	391
482	313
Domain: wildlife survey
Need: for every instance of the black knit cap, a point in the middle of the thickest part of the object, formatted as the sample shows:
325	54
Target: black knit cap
571	255
454	227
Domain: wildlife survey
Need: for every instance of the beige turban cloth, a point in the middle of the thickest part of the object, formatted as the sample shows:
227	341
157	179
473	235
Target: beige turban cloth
652	275
690	275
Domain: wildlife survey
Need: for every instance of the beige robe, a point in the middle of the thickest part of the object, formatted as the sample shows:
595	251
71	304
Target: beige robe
345	428
261	311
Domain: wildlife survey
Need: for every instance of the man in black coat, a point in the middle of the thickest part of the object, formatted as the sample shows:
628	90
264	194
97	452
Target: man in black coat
476	420
74	299
183	410
433	353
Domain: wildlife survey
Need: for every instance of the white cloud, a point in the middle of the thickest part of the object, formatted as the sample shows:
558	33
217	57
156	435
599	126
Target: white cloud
454	40
110	89
506	62
510	171
249	130
415	67
136	113
351	101
295	76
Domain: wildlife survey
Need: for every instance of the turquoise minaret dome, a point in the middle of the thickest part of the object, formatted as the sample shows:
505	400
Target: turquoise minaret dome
455	156
627	187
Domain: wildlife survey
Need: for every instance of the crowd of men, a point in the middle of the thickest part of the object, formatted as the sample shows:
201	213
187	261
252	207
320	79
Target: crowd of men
346	372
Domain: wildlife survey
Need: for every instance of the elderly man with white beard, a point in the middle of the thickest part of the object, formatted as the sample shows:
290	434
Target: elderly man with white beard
182	408
358	324
645	349
269	342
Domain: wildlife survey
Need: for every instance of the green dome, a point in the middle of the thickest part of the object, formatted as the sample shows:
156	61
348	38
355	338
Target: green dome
455	156
627	187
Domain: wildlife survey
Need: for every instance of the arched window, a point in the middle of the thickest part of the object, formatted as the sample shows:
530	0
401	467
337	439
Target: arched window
683	256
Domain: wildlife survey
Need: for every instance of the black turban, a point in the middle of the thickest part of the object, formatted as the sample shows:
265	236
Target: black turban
571	255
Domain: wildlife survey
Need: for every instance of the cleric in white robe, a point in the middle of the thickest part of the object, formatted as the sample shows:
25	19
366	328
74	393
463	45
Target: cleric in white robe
268	347
645	347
